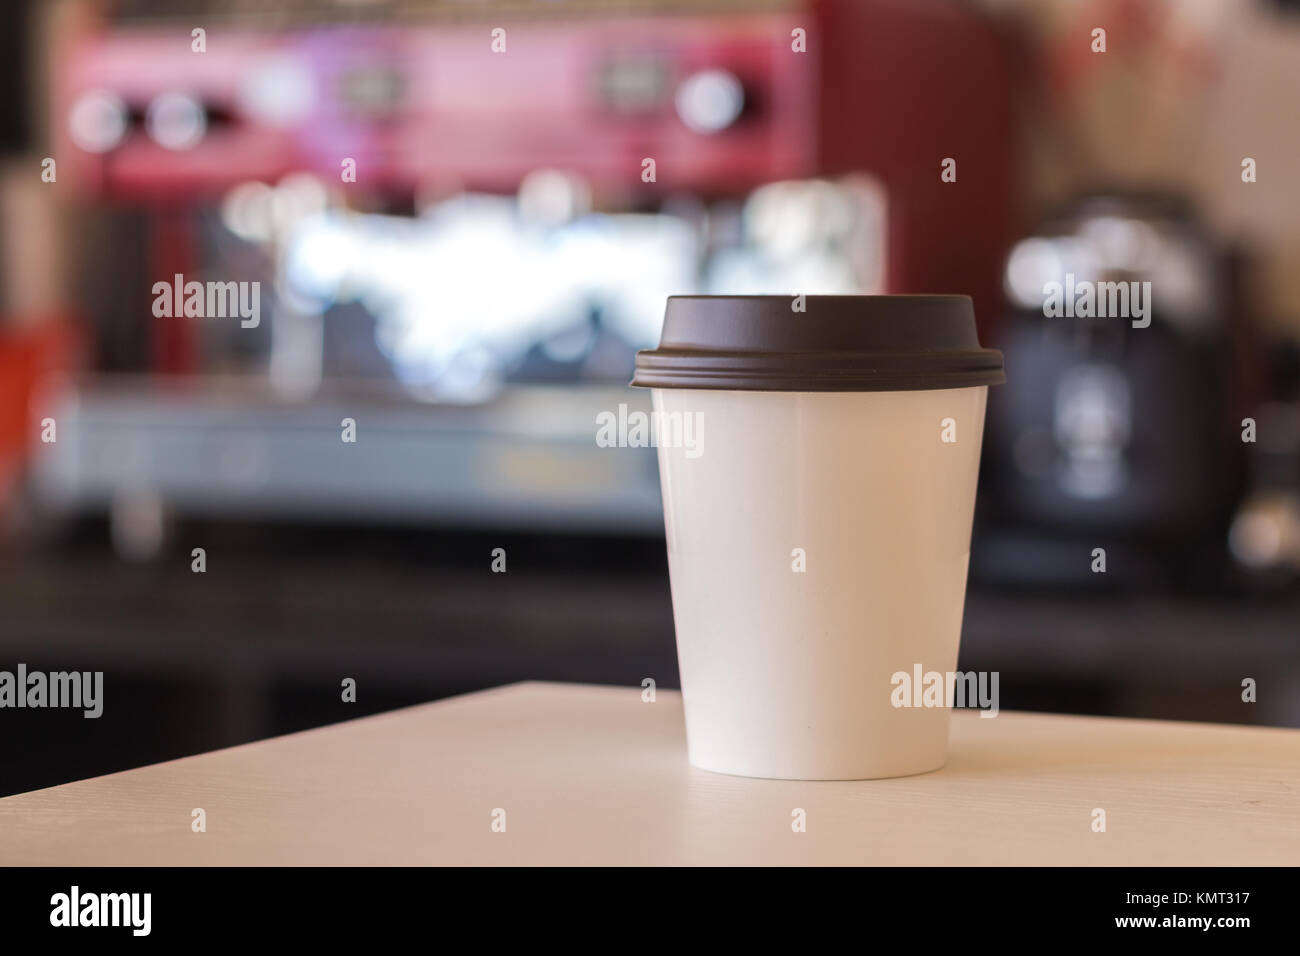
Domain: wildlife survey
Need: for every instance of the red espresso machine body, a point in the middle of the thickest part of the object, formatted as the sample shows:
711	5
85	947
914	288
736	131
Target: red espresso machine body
898	89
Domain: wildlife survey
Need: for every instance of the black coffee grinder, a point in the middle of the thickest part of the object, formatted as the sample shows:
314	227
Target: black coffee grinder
1113	444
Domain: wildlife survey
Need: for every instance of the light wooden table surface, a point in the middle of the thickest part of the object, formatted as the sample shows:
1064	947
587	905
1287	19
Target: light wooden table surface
592	775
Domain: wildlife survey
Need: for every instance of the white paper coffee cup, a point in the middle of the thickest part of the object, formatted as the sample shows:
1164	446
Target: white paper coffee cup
818	523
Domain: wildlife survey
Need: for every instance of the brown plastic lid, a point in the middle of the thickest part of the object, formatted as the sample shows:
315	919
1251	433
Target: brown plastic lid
838	343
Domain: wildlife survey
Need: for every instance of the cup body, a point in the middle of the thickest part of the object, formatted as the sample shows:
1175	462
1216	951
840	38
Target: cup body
818	544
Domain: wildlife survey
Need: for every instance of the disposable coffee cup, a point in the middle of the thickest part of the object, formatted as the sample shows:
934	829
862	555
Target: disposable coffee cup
818	459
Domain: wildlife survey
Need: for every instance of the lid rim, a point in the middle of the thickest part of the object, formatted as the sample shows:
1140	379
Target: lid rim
797	382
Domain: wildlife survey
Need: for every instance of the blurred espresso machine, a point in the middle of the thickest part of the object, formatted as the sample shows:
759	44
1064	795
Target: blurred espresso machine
463	220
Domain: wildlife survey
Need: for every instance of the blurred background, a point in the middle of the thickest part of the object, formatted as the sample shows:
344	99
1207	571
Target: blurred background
473	296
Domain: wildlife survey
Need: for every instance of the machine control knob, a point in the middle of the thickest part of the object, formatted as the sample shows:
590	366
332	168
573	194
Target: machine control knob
709	101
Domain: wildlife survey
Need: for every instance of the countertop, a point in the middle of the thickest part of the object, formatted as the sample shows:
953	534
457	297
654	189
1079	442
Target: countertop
594	775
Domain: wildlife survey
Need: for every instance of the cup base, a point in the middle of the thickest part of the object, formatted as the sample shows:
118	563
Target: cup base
827	774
